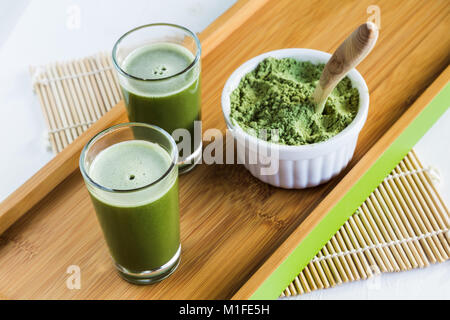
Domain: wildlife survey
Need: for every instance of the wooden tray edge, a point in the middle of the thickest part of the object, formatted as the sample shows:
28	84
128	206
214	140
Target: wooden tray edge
66	162
53	173
302	245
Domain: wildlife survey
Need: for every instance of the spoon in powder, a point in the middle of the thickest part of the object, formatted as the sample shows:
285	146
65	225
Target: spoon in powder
349	54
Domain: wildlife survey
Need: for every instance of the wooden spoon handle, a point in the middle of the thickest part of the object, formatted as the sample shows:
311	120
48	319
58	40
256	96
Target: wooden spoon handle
349	54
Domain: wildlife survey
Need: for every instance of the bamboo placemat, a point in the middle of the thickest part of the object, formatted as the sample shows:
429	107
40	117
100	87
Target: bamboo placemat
404	224
75	94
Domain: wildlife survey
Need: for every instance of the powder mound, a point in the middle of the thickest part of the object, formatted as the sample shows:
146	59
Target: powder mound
275	101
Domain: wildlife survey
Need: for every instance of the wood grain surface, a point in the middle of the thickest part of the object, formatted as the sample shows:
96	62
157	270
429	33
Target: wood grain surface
231	224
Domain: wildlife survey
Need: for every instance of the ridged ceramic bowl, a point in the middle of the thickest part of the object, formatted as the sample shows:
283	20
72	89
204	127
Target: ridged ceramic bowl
295	167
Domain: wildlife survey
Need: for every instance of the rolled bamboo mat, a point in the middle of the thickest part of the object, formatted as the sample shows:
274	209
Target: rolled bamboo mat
75	94
403	224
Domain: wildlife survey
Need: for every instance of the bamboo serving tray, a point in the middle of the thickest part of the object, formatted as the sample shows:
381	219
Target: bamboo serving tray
240	238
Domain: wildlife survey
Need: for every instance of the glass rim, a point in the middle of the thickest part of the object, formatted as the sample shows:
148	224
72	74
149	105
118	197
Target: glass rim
159	24
102	133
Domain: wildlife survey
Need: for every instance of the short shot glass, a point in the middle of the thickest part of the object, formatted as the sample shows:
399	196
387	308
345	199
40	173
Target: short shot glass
159	67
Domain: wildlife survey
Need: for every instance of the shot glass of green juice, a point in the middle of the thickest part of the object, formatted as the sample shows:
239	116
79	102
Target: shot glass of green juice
131	173
158	67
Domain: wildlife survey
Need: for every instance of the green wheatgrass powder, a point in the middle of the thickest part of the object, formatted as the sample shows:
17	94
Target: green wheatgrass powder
278	95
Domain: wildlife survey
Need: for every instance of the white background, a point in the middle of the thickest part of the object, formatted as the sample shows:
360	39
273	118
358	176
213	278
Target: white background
38	32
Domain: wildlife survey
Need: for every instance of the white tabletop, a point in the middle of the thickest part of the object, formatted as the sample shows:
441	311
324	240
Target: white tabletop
38	32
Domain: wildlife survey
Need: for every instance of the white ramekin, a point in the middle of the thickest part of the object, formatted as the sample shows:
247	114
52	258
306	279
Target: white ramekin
302	166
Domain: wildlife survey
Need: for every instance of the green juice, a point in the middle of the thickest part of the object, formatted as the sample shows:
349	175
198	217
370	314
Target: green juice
169	97
141	227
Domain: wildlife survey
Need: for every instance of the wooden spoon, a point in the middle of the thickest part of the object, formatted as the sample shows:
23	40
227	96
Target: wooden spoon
349	54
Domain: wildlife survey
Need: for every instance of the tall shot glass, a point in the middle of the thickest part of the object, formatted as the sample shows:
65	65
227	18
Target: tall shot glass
131	173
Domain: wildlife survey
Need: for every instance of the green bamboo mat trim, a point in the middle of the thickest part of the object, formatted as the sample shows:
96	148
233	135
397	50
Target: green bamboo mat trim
273	286
402	225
